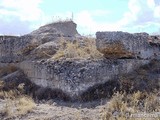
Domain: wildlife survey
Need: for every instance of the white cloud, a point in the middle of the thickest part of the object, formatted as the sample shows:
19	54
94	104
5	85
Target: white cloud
88	25
14	13
99	12
84	19
157	12
26	16
151	4
26	11
141	14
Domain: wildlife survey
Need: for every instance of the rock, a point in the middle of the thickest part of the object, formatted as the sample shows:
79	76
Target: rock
154	40
65	29
46	50
125	45
56	31
76	77
145	78
13	48
13	80
18	48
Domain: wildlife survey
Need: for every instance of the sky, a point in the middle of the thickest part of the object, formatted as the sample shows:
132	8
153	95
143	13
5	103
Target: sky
19	17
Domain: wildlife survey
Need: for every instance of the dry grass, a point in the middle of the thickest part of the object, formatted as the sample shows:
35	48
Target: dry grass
124	106
78	50
16	104
10	94
17	107
115	50
5	90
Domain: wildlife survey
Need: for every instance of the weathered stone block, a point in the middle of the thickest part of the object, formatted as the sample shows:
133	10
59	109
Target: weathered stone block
123	44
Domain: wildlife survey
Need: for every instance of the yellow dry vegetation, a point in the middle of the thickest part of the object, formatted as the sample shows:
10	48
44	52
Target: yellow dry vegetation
78	49
124	106
17	107
15	102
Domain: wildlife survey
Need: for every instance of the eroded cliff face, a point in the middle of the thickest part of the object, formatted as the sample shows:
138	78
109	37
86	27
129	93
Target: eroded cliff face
75	77
123	53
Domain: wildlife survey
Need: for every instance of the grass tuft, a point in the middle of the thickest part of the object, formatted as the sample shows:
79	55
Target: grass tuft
17	107
123	106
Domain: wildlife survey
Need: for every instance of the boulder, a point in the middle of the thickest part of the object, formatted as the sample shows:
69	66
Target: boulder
46	50
125	45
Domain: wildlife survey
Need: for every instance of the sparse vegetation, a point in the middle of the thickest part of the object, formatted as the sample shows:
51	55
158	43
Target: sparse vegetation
85	49
121	106
124	106
15	102
17	107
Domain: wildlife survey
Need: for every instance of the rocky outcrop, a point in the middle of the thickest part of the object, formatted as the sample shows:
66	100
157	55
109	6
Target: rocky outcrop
45	50
13	48
64	29
39	43
154	40
77	78
123	44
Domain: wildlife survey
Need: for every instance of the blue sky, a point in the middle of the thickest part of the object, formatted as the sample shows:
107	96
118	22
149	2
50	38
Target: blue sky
20	17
